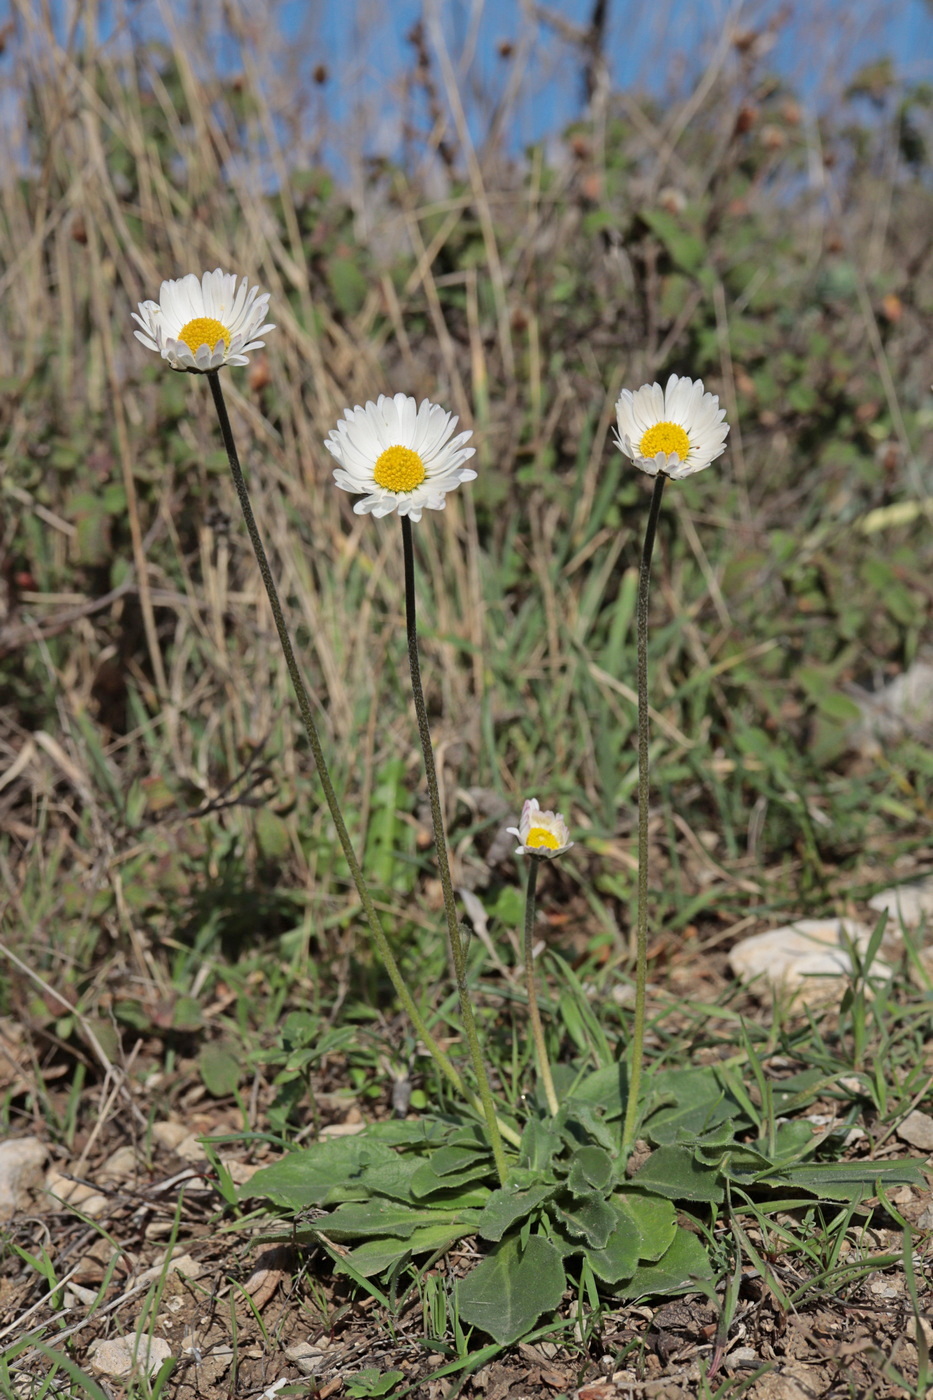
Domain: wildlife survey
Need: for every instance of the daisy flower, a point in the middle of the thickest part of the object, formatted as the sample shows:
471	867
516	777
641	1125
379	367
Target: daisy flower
541	833
201	324
399	456
678	430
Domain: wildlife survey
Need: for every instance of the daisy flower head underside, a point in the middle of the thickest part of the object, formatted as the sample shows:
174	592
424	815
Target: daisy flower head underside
540	833
678	430
202	323
400	456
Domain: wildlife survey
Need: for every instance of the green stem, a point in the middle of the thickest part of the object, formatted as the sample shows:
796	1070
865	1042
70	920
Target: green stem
307	716
641	930
440	842
534	1016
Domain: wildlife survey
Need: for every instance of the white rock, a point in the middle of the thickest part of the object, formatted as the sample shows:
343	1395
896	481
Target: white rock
122	1165
917	1129
22	1173
307	1357
905	707
76	1193
182	1264
808	958
909	904
121	1355
169	1134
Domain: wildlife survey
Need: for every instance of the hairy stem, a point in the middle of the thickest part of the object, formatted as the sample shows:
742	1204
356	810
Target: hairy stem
534	1016
443	863
307	716
641	929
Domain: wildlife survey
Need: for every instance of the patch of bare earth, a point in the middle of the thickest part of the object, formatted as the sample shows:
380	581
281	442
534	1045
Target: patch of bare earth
147	1267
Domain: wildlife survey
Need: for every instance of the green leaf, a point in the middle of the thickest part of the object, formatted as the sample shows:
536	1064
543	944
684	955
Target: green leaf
368	1219
846	1181
674	1172
685	249
590	1217
220	1070
425	1181
684	1267
592	1169
457	1157
272	835
698	1103
540	1144
375	1256
605	1089
348	284
507	1293
656	1221
415	1132
506	1206
581	1126
618	1258
371	1382
320	1175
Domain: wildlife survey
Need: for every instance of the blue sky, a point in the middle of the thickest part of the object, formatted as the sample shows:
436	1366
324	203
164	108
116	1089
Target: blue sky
660	48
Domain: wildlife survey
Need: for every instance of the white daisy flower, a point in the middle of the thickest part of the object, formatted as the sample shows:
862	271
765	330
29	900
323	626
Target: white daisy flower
541	833
200	325
402	455
678	430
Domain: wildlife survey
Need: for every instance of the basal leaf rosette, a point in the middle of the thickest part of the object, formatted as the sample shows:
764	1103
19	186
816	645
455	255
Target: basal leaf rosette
678	430
399	456
200	324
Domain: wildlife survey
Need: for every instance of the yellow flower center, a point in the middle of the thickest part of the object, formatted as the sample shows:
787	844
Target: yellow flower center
204	330
399	469
665	437
538	836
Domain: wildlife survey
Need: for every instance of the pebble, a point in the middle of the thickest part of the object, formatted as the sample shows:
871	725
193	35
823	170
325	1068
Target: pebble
79	1194
182	1264
22	1173
917	1129
307	1357
119	1356
169	1134
909	904
122	1165
808	957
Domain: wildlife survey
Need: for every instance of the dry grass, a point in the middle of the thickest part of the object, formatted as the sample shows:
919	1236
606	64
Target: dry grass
161	839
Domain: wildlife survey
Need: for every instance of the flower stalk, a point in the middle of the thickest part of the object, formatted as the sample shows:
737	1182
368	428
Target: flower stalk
641	927
534	1016
444	1064
457	949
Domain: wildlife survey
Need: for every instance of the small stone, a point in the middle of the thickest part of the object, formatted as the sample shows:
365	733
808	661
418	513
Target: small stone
75	1294
909	904
169	1134
179	1264
122	1355
122	1165
808	958
307	1357
240	1172
79	1194
917	1129
189	1149
22	1173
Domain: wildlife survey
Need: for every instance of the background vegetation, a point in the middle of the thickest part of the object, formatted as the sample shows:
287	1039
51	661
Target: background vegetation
171	886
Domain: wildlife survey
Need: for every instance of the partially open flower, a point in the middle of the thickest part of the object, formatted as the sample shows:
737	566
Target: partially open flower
399	456
678	430
202	324
541	833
